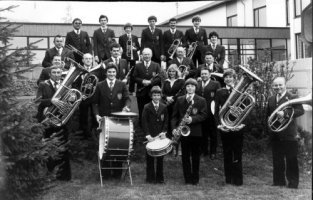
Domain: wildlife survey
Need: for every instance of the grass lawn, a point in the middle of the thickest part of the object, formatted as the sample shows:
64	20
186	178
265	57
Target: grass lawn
85	183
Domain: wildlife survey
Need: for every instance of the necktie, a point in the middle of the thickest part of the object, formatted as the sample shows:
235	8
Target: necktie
116	61
230	90
188	99
152	30
59	51
203	85
111	85
156	107
278	97
147	65
56	85
213	46
197	30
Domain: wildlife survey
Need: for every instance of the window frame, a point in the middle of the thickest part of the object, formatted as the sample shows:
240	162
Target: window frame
227	18
295	13
287	13
254	10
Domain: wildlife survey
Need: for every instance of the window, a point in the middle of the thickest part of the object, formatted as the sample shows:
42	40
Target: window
287	13
232	20
18	42
299	6
260	17
43	44
302	50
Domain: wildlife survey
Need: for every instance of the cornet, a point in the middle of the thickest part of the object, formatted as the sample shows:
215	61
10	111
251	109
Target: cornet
183	69
191	50
173	48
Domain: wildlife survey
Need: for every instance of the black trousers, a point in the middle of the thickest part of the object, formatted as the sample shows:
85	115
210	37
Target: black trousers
131	64
209	130
64	172
197	56
232	150
191	158
83	119
155	59
154	173
285	151
142	101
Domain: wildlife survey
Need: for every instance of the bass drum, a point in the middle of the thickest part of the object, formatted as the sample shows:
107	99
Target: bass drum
159	147
116	139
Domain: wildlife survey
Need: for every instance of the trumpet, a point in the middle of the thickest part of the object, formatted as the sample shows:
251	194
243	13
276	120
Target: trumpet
183	69
129	48
191	50
279	124
173	47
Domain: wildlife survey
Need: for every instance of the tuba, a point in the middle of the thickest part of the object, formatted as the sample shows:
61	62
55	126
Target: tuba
68	98
191	50
173	48
279	124
239	103
129	48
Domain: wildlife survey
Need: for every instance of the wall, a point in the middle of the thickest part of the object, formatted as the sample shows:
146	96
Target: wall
276	13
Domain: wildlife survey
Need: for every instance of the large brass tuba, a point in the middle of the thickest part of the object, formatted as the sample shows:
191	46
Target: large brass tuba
191	50
69	99
173	48
239	102
279	124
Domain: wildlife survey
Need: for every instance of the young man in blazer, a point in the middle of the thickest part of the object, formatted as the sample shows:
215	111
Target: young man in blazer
285	142
111	95
146	75
181	60
217	50
190	144
103	37
170	35
198	35
131	62
207	89
78	39
152	37
121	64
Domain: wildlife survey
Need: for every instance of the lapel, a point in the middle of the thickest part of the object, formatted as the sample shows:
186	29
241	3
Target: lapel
50	85
115	88
151	107
105	88
63	52
81	37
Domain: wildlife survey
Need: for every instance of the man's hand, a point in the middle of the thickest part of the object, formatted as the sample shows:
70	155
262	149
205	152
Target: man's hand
126	109
96	59
237	128
56	102
99	119
188	120
280	114
199	79
174	133
223	128
124	80
162	135
169	100
163	58
149	138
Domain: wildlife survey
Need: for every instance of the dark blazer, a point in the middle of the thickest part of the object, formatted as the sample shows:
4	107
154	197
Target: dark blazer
176	90
291	131
46	90
104	103
122	68
123	43
216	69
198	114
153	123
154	42
208	93
168	39
201	38
84	45
44	75
218	53
187	62
102	42
50	53
141	73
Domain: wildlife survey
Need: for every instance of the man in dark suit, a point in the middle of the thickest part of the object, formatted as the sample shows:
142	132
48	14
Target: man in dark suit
190	144
213	68
103	37
152	37
146	76
170	35
46	91
57	50
45	72
111	95
217	50
198	35
207	89
285	142
181	60
121	64
131	61
78	39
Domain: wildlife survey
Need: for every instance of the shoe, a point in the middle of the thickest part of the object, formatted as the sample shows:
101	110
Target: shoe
292	186
150	181
279	184
160	182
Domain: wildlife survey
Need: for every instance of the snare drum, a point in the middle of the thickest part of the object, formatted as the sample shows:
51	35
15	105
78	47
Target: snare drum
159	147
116	139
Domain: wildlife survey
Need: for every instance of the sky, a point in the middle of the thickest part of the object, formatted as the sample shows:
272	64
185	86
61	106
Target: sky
117	12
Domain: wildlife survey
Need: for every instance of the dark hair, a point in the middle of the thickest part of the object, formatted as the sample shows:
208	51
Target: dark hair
208	53
205	68
213	33
114	45
111	66
197	17
152	18
172	19
191	81
57	55
156	89
57	36
76	20
230	72
103	16
128	25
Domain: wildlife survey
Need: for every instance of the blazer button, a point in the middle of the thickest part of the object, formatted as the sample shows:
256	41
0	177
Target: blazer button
111	103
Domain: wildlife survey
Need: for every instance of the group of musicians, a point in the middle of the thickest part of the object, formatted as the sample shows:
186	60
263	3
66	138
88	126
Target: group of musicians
162	106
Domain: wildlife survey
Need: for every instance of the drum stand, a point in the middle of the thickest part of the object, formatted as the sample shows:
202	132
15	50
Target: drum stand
127	169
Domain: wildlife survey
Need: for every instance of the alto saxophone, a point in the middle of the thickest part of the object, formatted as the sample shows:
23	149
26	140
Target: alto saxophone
182	129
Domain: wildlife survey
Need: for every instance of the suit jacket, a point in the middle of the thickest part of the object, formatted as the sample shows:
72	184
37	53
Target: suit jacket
154	122
122	68
290	132
198	114
208	93
218	53
201	38
187	62
84	45
168	39
216	69
46	91
102	42
176	90
44	75
141	73
123	43
154	42
104	103
50	53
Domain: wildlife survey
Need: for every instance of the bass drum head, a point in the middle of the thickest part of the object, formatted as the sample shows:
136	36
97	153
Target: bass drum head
102	139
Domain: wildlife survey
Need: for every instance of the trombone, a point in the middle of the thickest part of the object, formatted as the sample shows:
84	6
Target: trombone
173	48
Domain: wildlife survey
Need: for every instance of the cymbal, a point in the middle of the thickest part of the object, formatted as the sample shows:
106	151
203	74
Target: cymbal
124	114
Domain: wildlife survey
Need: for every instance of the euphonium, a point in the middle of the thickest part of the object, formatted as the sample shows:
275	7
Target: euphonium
239	103
182	129
68	98
88	86
173	48
279	124
129	48
191	50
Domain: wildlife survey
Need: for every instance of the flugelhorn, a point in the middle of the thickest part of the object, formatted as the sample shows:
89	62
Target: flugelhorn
191	50
239	103
279	124
172	50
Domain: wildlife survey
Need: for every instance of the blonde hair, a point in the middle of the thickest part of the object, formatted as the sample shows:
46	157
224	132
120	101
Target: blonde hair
175	68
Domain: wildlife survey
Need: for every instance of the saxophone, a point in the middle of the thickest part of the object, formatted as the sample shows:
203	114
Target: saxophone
182	129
